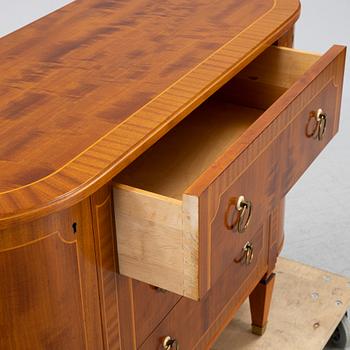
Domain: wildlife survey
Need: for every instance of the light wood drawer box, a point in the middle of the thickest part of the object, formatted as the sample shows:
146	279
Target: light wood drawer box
251	138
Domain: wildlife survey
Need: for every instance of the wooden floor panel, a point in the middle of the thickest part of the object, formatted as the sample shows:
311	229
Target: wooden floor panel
307	306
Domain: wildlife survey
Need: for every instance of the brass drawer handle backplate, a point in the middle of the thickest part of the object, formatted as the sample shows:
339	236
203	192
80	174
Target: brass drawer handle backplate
238	214
319	126
247	254
244	208
170	343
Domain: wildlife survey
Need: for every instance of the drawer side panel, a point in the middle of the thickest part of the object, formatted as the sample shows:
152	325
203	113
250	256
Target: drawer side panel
149	238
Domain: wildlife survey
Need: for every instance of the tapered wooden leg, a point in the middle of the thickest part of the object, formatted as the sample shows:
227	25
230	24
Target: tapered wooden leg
260	301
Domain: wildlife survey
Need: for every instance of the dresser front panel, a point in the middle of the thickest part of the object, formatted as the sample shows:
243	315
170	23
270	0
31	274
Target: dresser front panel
48	284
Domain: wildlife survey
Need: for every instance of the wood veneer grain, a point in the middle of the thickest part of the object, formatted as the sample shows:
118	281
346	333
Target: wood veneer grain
106	264
48	283
143	309
72	92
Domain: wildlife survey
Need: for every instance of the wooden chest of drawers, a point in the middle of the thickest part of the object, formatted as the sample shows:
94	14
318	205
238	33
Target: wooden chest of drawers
147	151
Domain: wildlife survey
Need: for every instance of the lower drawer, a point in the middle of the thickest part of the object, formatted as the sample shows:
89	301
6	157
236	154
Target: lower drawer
195	325
142	307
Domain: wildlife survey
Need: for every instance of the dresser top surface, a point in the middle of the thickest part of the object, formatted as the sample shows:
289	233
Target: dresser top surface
86	89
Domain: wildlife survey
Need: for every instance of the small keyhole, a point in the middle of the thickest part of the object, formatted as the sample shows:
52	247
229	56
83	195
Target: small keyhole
74	227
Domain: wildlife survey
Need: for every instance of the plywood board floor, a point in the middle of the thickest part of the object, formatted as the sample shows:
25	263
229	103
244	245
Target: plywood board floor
307	306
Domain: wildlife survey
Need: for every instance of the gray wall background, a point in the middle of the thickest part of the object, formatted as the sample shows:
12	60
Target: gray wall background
318	208
15	14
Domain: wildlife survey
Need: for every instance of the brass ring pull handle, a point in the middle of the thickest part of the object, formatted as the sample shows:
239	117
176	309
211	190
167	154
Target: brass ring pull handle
247	254
245	213
170	343
320	125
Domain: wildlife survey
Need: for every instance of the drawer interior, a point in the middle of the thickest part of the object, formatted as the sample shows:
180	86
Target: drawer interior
171	165
158	222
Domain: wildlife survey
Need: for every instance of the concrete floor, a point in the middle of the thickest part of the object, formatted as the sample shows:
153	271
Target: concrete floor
318	208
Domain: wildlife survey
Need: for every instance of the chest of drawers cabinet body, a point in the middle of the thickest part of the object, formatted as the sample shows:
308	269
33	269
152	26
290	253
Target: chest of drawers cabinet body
147	148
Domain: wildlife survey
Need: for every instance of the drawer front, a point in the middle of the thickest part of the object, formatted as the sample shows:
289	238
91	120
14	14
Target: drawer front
140	318
195	324
268	160
268	178
149	314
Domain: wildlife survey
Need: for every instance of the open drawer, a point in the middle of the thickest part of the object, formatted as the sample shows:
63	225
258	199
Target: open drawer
180	218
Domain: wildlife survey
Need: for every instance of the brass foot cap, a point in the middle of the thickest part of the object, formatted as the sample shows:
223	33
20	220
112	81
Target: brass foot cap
258	330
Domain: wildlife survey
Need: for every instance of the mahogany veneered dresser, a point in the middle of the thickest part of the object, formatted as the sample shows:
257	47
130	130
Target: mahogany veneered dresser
146	150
